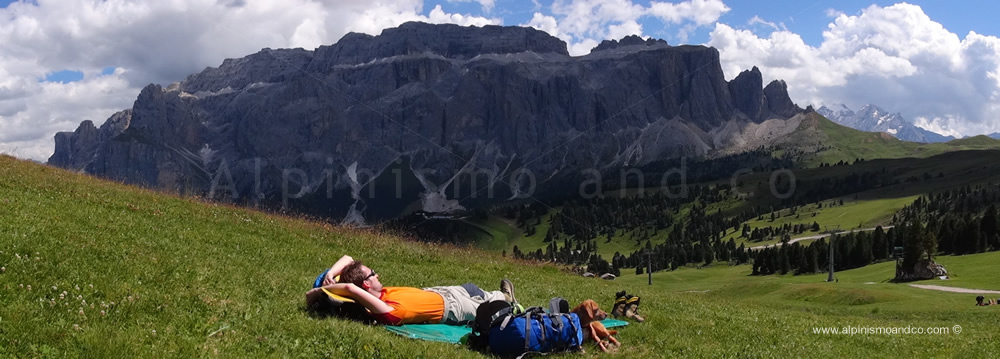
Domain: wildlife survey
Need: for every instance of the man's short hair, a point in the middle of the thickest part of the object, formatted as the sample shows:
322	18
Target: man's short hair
354	274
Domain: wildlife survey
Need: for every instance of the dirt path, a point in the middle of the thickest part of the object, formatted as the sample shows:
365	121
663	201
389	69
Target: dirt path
955	290
818	237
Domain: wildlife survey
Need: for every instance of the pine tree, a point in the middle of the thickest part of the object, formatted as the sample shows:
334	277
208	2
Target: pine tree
989	223
928	243
912	249
784	263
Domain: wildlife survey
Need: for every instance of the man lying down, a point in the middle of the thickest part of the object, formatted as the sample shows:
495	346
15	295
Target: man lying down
404	305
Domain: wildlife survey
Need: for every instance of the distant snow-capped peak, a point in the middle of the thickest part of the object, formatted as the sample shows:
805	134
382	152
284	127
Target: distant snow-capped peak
872	118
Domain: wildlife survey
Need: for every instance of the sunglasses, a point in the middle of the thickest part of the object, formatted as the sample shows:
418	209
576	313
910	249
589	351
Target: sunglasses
371	275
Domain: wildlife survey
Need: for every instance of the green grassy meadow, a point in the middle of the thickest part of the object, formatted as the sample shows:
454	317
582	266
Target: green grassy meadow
851	215
842	143
91	268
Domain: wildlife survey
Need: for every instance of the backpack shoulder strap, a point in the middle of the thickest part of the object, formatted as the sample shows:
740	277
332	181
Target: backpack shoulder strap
527	332
558	305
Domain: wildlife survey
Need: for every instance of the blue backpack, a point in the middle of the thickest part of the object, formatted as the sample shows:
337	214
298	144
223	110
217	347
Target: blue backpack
533	330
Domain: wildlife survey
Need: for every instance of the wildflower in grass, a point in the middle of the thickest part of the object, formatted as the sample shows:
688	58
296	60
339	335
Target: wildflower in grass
3	269
154	332
76	327
80	312
102	313
29	287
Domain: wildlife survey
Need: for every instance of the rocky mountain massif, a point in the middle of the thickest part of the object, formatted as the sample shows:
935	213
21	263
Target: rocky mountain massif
373	124
871	118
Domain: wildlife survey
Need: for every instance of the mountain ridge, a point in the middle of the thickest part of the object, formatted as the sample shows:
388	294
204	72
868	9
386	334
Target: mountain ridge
463	102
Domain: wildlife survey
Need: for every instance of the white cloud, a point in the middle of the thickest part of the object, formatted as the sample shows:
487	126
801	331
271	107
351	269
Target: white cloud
832	13
152	41
63	106
939	125
582	24
702	12
486	4
545	23
896	57
757	20
438	16
630	27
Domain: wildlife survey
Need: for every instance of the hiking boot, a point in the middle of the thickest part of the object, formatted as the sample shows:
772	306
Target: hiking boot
632	312
507	288
618	308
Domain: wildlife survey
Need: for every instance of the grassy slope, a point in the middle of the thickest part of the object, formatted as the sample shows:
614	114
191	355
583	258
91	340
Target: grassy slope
861	297
496	233
193	279
977	271
843	143
966	271
852	215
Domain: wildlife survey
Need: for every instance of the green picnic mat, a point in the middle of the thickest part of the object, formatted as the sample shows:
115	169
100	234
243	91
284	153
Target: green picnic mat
454	333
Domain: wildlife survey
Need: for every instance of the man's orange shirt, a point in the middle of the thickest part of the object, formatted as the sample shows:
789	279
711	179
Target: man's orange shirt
411	306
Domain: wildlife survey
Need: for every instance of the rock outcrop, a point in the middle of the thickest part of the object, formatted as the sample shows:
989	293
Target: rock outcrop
76	150
923	269
422	113
778	101
748	94
631	40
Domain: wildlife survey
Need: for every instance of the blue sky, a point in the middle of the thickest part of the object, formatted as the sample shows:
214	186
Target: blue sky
65	61
806	18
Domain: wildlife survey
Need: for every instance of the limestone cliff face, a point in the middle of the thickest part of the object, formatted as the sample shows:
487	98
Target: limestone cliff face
423	103
76	150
